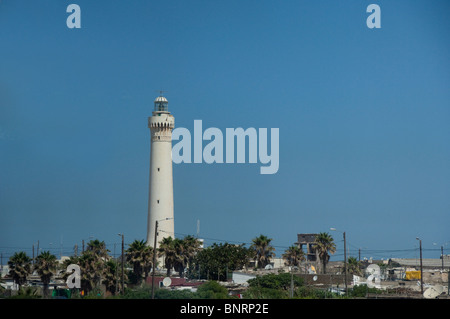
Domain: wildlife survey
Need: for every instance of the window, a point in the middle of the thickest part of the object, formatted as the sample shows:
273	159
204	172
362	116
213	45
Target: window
158	169
157	201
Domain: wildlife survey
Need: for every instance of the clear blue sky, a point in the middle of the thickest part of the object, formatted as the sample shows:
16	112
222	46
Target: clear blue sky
363	116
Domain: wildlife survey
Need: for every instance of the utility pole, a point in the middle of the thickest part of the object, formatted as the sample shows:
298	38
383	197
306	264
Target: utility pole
123	291
345	265
421	266
154	261
291	292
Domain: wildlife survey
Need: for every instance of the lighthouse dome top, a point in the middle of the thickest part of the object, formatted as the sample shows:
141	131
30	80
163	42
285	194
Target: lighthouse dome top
161	99
161	104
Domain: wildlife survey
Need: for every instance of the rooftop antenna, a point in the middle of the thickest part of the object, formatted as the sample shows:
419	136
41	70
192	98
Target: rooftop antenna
161	92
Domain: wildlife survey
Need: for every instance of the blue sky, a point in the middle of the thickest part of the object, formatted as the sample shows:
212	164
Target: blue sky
363	116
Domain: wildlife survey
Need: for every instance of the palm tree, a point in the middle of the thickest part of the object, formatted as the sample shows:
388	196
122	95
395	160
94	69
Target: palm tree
19	267
96	255
169	251
91	267
293	256
71	260
98	248
354	266
263	250
111	277
140	256
45	267
324	245
191	248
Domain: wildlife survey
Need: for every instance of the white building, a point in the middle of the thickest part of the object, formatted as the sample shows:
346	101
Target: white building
160	200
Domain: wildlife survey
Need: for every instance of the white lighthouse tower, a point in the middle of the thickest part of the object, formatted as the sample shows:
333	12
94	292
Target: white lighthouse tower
160	200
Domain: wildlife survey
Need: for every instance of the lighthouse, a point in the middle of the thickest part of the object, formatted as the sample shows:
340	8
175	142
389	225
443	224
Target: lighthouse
160	199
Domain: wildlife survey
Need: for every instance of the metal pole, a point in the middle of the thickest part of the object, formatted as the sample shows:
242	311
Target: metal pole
123	291
292	285
154	261
442	256
345	265
421	267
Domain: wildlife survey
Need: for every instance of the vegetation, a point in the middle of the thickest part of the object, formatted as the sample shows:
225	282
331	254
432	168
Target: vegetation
187	259
218	260
19	268
208	290
140	256
279	286
293	256
354	266
325	245
46	268
262	250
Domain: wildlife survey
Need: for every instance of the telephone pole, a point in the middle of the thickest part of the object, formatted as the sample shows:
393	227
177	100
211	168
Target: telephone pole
421	266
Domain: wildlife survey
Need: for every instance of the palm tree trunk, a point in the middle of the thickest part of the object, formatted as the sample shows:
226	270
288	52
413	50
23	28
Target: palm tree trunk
45	291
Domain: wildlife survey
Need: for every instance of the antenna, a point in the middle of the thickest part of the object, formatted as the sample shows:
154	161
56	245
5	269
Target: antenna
161	92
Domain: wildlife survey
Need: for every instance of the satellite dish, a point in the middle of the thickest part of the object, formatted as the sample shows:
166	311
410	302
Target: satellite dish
315	278
167	281
433	292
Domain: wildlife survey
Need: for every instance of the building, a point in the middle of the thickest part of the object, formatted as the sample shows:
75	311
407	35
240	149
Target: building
160	199
307	243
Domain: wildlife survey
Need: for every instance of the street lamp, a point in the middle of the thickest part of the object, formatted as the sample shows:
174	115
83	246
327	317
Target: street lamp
345	259
421	268
122	262
154	255
292	280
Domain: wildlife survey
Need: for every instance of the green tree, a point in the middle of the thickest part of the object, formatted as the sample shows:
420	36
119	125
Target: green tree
218	259
93	264
19	267
273	286
188	249
111	275
263	251
354	266
46	268
293	256
212	290
98	248
168	249
140	256
91	268
325	245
